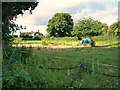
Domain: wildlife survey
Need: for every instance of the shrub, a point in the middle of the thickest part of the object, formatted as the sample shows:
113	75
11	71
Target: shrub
27	37
15	36
22	35
38	37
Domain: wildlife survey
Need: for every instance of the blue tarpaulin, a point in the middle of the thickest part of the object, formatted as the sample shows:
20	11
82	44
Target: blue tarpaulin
85	40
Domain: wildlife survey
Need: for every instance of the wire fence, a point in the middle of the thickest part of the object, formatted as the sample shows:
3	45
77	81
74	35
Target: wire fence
85	68
83	65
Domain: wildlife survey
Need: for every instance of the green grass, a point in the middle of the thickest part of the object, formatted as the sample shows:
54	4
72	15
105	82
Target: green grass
111	41
70	41
33	74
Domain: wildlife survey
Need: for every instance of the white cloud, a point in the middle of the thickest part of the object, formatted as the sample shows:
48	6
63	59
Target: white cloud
106	16
109	19
42	29
26	20
48	8
105	13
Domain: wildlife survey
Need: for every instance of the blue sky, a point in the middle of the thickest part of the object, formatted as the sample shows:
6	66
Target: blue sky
105	11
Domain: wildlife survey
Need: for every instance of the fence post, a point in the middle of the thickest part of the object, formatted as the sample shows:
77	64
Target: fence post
93	66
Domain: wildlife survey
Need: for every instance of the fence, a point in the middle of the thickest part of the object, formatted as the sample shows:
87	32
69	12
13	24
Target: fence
82	66
85	68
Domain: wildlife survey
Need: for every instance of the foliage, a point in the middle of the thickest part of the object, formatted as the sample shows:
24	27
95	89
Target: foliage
113	29
87	27
104	29
9	13
60	25
38	37
7	28
27	37
23	35
15	36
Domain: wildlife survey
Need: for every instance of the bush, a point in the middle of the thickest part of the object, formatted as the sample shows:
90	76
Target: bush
15	36
22	35
38	37
27	37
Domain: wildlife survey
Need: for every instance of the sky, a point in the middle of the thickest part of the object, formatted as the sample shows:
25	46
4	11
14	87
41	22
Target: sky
105	11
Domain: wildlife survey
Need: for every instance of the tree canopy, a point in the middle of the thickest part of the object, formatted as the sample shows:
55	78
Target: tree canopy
87	27
10	10
61	24
113	29
104	29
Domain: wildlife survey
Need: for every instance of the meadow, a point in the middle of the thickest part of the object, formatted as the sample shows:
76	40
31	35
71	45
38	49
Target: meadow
47	67
69	41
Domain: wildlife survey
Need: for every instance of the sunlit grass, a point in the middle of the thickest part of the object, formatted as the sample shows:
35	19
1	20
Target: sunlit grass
70	41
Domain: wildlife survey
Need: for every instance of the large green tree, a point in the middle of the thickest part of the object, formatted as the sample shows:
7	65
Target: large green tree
61	24
10	10
87	27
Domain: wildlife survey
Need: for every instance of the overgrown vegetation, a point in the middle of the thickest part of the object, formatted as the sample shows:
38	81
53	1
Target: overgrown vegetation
10	10
34	73
36	37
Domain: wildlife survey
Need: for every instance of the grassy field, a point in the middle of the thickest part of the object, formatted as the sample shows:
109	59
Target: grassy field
34	72
69	41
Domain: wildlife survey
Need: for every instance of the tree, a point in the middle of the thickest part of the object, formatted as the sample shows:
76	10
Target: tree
10	10
113	29
87	27
104	29
60	25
